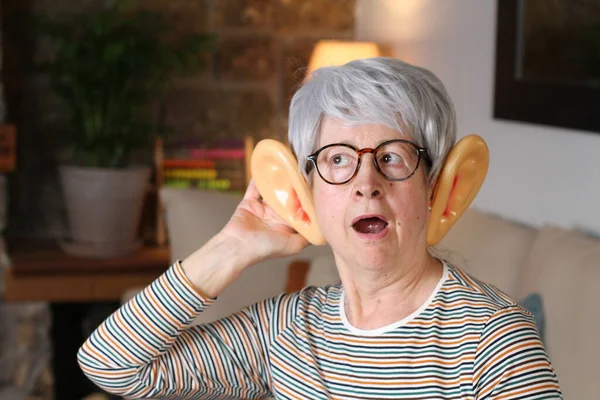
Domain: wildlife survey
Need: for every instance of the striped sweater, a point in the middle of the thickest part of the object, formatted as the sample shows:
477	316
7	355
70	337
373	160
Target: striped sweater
468	341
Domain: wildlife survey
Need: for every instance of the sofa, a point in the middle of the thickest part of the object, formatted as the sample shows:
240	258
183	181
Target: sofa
561	268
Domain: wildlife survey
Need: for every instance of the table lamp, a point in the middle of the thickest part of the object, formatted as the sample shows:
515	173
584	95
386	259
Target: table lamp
339	52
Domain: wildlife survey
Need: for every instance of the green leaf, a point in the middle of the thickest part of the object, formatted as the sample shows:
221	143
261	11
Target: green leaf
108	67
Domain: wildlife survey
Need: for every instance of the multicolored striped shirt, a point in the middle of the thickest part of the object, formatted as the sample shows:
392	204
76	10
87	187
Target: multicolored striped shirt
468	341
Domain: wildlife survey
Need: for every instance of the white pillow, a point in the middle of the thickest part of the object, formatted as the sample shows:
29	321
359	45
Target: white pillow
323	271
564	269
488	247
194	216
588	352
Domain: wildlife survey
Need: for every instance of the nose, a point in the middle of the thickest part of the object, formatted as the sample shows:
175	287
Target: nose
367	182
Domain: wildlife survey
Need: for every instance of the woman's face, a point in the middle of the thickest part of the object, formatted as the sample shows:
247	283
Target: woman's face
370	221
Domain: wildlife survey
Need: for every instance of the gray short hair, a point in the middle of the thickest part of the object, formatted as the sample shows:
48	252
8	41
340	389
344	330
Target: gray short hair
377	90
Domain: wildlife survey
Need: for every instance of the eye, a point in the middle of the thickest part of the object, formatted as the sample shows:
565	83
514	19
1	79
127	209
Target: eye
340	160
391	158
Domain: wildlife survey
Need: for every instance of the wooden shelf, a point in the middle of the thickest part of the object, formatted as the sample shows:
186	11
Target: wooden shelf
41	271
42	257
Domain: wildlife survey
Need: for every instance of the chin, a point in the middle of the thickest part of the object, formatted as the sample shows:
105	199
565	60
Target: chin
371	255
379	262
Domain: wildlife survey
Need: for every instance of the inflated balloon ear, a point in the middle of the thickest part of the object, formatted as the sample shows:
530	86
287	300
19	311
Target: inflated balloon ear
275	173
458	184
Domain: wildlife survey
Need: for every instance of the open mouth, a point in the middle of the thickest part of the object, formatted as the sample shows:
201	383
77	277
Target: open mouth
370	224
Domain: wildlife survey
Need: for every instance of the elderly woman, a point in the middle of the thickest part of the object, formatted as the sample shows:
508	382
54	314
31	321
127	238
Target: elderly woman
401	324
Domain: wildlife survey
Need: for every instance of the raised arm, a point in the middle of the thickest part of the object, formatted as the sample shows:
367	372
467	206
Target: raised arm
149	348
511	362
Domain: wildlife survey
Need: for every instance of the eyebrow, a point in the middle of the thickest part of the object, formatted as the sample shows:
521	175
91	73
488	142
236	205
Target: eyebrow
346	142
342	142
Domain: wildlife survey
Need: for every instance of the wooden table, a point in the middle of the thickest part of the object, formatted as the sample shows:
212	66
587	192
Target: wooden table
76	289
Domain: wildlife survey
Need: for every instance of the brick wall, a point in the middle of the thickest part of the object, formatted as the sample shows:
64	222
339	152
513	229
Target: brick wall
250	77
262	46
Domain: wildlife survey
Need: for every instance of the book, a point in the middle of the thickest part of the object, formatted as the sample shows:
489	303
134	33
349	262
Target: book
187	163
208	184
193	163
218	153
190	173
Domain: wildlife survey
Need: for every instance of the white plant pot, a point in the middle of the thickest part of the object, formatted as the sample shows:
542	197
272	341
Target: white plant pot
104	208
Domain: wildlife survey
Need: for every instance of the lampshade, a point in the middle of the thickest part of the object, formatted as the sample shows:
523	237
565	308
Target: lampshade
339	52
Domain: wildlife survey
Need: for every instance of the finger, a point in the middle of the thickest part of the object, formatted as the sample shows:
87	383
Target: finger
297	242
271	213
252	192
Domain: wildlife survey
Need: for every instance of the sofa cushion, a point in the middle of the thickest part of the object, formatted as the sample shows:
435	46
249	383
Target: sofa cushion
323	271
564	269
535	305
194	216
488	247
588	337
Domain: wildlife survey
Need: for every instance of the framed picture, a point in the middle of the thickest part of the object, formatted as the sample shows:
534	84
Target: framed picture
548	63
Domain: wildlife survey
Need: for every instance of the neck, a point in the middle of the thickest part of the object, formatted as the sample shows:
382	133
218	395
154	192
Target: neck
379	297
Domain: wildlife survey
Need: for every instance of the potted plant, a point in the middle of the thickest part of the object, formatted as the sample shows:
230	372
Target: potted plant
109	69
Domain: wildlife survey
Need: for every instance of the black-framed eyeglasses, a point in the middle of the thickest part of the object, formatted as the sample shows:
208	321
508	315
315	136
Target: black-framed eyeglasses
338	163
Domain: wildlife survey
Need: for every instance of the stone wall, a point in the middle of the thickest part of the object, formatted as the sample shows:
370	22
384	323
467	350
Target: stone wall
25	351
263	46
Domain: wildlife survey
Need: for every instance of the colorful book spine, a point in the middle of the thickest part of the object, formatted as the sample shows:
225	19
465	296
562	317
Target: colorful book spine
218	153
190	173
195	164
186	163
206	184
233	174
199	143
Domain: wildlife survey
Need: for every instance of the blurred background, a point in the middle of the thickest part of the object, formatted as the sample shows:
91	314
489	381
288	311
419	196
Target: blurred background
105	106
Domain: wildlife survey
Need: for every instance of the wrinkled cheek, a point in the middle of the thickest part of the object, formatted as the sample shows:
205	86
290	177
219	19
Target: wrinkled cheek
326	216
320	209
329	210
411	212
420	218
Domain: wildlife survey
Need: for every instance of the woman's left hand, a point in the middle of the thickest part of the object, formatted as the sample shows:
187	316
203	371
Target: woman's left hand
260	231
